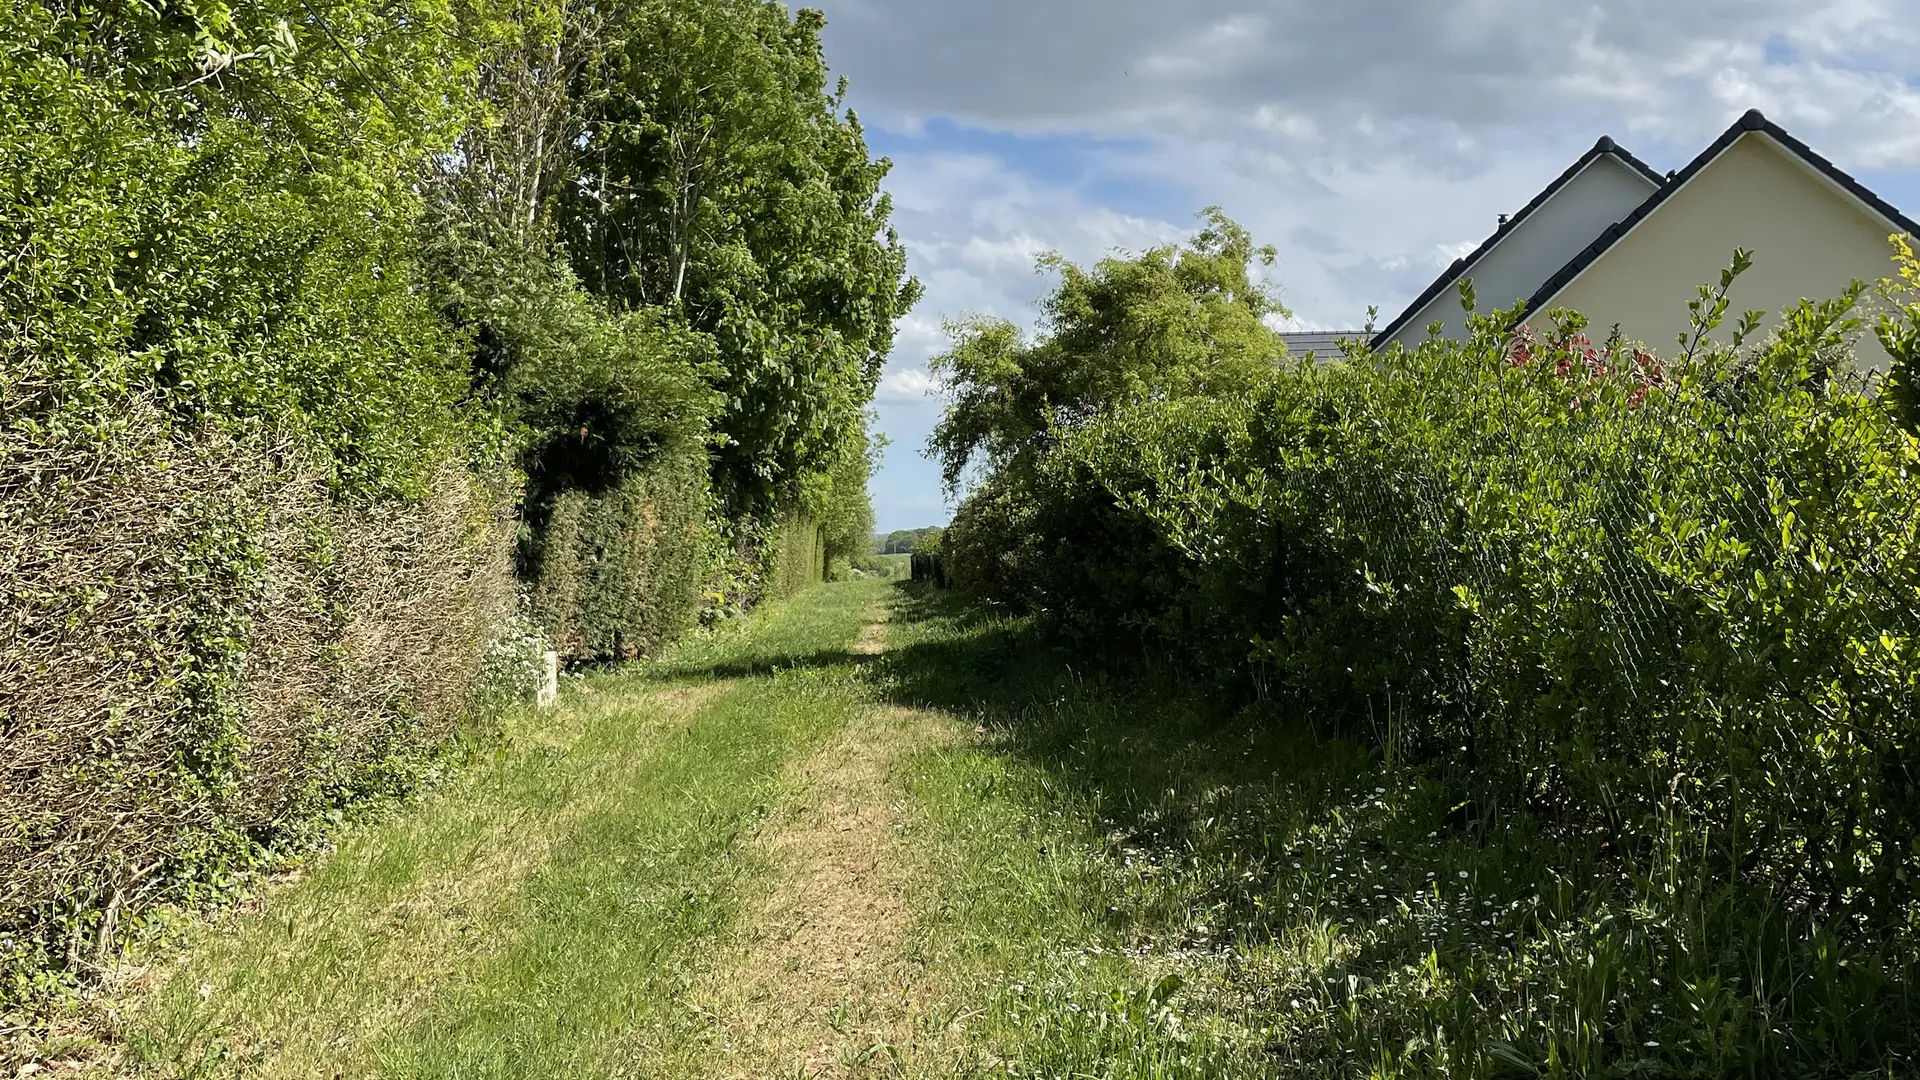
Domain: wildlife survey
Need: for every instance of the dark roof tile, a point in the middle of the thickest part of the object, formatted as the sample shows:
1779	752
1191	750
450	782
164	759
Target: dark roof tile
1323	343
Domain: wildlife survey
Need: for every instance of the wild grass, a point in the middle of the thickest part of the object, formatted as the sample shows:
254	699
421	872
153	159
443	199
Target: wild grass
1098	876
1129	881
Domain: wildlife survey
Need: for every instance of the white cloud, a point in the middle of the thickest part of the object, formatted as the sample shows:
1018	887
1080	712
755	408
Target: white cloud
1373	140
1228	42
920	333
1286	122
1389	77
1016	252
1296	323
974	225
909	384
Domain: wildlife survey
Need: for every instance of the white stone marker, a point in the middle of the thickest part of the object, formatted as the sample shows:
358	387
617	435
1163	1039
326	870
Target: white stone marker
549	691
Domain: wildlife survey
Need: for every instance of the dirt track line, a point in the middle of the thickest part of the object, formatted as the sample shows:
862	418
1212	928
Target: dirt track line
820	986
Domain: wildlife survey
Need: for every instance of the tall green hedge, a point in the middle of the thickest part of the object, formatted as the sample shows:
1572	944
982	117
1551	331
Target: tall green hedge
615	574
798	556
251	541
1617	591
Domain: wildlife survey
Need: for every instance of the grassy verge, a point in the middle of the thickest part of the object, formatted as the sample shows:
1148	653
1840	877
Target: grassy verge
816	846
1127	881
546	915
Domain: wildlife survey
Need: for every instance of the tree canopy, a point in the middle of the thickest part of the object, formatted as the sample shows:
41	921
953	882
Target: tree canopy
907	541
1168	322
718	178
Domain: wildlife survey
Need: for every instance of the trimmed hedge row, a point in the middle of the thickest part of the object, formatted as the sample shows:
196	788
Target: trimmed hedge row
798	555
201	653
616	574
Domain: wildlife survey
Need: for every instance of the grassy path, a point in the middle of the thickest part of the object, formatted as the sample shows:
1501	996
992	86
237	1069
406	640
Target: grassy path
549	915
878	832
873	832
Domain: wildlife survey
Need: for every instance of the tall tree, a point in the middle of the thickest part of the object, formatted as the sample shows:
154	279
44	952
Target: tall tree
1168	322
519	146
719	178
594	393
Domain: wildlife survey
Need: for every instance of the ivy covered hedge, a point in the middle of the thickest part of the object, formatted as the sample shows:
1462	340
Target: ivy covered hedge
205	653
251	547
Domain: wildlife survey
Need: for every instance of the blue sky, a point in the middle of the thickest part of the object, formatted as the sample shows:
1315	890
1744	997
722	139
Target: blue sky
1372	141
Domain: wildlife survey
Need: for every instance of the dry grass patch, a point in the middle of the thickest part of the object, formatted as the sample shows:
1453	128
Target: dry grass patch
820	985
873	636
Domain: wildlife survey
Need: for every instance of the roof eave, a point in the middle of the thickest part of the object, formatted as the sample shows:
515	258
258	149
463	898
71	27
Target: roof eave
1750	122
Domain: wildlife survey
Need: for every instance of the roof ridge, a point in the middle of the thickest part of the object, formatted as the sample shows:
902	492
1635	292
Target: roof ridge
1750	121
1603	145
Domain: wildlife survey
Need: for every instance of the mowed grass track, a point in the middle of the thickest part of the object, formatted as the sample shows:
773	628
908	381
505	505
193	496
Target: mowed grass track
879	831
547	914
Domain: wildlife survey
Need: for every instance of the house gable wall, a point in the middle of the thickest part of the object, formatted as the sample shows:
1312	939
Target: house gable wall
1606	191
1808	238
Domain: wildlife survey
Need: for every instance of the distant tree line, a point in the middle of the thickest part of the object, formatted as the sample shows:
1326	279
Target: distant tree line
907	541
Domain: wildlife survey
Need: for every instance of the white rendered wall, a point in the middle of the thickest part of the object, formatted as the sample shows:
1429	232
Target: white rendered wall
1604	192
1808	240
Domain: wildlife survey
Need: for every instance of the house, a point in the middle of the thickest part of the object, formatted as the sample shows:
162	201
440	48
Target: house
1605	186
1321	344
1811	227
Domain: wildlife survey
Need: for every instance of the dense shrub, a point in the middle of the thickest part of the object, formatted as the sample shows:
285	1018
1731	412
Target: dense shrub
1622	593
240	246
608	414
246	567
797	555
286	329
1631	636
615	573
201	652
839	503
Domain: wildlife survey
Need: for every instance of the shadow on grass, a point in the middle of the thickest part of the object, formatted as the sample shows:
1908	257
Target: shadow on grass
738	668
1178	772
1515	947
